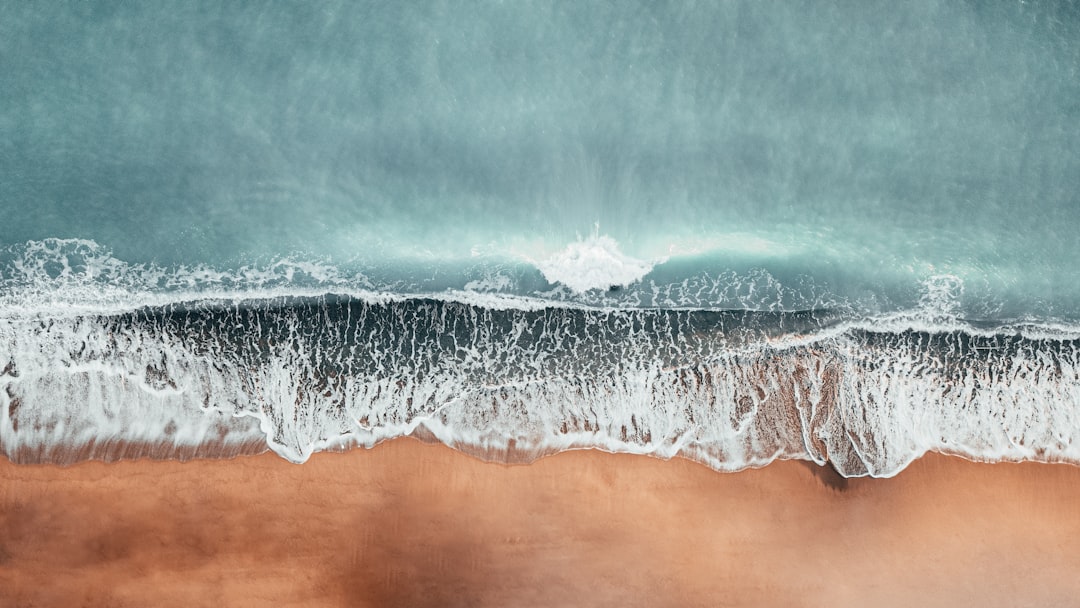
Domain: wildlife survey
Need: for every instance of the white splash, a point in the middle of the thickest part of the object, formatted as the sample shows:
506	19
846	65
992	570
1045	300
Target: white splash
593	263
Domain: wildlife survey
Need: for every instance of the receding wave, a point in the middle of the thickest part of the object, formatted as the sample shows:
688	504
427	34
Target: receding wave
731	389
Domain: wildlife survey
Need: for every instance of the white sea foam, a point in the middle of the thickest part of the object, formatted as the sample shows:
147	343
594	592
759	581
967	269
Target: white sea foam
593	263
72	277
304	358
326	373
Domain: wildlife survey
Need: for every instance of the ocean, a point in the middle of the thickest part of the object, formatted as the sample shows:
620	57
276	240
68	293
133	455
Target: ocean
732	231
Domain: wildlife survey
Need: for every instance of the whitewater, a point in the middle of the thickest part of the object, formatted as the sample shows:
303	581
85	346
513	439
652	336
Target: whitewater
214	373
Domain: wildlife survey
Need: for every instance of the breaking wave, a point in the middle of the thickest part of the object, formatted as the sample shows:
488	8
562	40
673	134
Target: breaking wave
512	379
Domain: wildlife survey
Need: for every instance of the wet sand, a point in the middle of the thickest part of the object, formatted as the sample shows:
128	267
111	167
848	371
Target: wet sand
411	524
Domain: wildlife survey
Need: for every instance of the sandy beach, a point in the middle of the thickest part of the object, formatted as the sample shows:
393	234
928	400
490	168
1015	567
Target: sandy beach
412	524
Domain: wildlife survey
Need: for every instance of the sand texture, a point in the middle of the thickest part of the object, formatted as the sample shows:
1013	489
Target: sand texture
411	524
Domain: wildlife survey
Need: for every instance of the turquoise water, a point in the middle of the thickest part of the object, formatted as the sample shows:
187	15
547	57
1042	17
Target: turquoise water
866	147
898	167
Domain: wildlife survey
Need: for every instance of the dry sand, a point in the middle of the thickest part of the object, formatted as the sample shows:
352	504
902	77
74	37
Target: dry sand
410	524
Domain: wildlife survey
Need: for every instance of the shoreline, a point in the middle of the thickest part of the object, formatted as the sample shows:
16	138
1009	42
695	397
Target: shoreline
115	451
414	524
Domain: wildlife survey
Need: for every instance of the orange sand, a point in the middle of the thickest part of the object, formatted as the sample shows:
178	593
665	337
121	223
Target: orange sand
409	524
